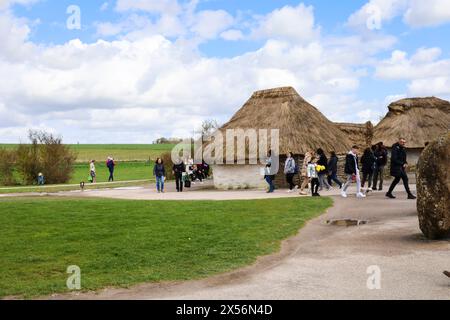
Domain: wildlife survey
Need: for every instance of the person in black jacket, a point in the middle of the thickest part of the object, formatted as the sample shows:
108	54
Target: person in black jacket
160	174
398	168
178	169
323	161
381	154
368	165
332	169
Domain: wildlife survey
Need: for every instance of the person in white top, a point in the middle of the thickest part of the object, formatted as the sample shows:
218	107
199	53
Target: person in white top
92	171
313	177
190	169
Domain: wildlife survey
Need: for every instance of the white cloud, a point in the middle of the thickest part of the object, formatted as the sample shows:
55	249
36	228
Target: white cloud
104	6
232	35
288	23
201	25
415	13
4	4
394	97
427	13
137	26
374	13
434	86
424	63
108	29
210	23
428	75
14	35
158	6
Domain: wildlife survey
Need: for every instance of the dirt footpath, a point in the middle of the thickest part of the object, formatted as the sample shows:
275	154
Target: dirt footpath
328	262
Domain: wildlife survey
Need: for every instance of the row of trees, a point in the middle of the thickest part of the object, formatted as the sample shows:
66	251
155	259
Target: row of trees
207	128
163	140
44	154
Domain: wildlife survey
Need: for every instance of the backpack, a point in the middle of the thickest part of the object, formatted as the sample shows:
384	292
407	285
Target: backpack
296	169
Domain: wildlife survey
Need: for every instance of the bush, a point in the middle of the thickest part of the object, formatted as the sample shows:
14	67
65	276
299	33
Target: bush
27	163
7	161
45	154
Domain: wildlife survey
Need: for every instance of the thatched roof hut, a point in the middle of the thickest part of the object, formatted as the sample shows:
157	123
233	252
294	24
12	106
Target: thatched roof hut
360	134
418	120
302	126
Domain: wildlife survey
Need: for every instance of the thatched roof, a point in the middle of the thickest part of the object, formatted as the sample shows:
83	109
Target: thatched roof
359	134
301	126
418	120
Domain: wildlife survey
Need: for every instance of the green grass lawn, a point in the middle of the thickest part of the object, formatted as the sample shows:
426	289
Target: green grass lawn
71	187
120	152
124	171
120	242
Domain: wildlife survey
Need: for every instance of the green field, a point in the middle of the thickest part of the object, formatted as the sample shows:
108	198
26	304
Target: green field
124	171
120	152
132	161
121	242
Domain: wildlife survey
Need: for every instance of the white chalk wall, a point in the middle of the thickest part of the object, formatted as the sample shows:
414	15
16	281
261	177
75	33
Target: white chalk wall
413	156
228	177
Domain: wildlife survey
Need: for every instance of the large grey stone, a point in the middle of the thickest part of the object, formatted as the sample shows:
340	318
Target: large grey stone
433	189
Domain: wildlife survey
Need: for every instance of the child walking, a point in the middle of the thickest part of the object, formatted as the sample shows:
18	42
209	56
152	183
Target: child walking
313	177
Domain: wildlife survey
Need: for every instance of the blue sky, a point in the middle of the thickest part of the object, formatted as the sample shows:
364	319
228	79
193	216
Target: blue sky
164	66
330	16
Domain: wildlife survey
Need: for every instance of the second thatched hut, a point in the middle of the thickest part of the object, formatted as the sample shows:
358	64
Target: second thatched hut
418	120
360	134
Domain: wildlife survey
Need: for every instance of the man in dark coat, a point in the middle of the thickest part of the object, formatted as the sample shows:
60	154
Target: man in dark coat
398	168
178	169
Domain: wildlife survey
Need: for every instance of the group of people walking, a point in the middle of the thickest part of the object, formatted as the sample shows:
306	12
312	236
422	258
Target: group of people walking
320	173
185	173
317	171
